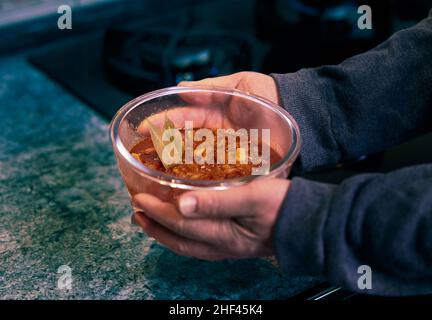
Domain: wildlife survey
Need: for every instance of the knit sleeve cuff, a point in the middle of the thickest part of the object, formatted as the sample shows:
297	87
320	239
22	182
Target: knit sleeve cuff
298	236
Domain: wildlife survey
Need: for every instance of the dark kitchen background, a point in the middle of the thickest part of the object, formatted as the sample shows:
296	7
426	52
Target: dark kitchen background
119	49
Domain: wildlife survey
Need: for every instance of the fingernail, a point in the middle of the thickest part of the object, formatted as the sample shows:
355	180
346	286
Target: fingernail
187	205
135	205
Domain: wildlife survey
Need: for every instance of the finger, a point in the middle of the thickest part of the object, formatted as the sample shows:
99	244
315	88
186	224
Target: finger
179	245
201	117
205	98
228	81
160	211
206	114
219	204
213	231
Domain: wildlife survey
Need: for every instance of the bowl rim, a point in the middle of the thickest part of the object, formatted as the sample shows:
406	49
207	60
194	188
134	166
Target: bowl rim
190	184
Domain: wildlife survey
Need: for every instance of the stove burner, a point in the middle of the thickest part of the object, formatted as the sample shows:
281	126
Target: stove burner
144	60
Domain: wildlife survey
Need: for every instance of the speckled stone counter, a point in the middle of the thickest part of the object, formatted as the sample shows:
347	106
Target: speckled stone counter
62	202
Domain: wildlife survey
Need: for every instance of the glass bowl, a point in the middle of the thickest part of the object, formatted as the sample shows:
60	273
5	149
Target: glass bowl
224	108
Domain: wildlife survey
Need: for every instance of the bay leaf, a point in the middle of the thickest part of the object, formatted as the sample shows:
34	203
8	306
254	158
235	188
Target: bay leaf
156	136
168	124
178	144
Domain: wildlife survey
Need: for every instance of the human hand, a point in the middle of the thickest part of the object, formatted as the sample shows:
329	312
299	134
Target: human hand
252	82
215	224
210	116
234	223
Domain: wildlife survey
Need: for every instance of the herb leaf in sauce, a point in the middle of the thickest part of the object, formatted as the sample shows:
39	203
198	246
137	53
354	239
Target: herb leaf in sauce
159	145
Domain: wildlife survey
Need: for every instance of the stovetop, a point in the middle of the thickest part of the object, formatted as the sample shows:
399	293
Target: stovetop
108	67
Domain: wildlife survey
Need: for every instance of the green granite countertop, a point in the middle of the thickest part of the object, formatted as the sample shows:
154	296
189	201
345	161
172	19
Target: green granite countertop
62	202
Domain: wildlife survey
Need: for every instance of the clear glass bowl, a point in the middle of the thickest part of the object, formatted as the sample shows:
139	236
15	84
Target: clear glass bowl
210	107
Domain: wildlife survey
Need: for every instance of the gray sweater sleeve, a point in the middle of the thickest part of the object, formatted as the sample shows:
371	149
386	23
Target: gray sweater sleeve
384	221
366	104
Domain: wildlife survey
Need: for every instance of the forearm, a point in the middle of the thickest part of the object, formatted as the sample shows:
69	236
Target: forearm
367	103
383	221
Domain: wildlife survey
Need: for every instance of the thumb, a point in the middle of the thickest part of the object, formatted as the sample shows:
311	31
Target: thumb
217	203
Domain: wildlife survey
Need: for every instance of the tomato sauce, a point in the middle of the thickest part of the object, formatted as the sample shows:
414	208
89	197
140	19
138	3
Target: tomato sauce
145	152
